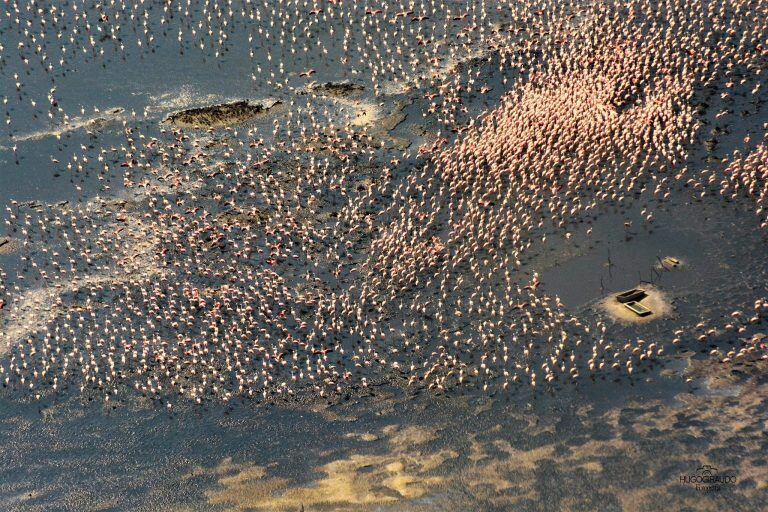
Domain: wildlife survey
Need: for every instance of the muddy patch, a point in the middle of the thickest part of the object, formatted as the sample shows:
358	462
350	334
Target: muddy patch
337	89
224	114
9	245
726	369
379	122
243	217
110	117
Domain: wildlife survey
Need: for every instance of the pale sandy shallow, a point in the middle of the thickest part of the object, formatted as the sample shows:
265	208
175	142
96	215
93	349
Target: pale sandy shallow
392	453
93	120
8	245
656	300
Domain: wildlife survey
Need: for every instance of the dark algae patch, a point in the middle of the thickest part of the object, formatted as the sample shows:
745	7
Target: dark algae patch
341	89
217	116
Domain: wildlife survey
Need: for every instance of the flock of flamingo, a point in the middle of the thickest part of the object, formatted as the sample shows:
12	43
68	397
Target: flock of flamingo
305	253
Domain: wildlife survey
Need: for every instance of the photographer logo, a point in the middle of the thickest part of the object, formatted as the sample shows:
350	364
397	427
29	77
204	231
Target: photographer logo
708	479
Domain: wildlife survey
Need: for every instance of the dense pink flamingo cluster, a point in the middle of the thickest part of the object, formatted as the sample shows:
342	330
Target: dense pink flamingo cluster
310	255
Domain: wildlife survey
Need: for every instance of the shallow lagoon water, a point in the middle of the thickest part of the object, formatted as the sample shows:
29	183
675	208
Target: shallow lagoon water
616	443
607	444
